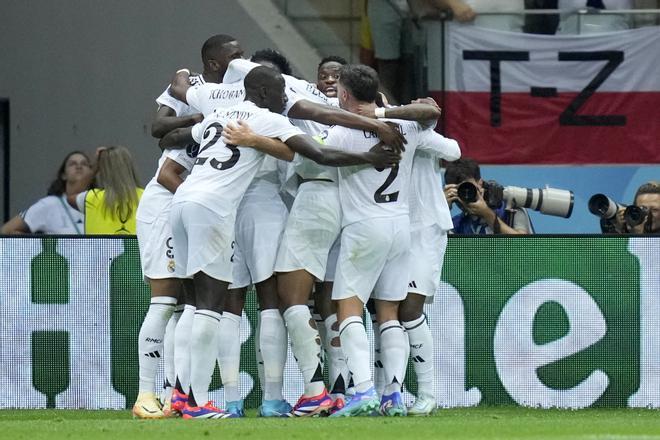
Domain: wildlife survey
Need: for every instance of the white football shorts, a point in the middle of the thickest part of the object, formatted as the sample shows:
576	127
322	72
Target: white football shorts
259	227
156	247
311	229
333	256
203	241
374	257
427	252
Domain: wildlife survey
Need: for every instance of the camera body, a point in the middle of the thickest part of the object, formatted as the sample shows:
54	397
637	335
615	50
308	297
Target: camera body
635	215
550	201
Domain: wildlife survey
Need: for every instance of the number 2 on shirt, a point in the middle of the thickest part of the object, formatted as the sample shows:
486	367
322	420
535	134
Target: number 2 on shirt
379	197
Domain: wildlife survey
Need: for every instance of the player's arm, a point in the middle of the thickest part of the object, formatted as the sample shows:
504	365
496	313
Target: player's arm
439	146
424	110
379	156
328	115
166	120
15	225
180	85
177	138
240	133
170	175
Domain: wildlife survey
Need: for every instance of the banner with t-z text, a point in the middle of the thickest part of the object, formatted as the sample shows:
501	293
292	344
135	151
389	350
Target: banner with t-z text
513	98
542	321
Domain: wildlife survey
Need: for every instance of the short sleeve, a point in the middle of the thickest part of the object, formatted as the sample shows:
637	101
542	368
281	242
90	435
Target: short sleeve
438	145
192	97
237	70
170	101
36	215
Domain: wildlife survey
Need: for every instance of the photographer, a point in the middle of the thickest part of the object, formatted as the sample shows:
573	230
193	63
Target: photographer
647	198
478	217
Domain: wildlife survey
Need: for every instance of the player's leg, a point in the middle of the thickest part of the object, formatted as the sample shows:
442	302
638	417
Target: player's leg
312	226
229	352
168	355
428	247
389	291
182	347
420	340
208	262
354	281
273	343
154	258
379	374
294	289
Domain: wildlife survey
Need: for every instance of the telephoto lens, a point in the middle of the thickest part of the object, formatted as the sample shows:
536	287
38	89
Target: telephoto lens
602	206
467	192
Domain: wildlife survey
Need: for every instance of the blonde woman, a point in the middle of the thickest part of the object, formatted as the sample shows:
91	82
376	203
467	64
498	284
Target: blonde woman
111	208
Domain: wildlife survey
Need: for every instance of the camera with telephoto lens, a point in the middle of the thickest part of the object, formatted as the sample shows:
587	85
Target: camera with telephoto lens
635	215
550	201
602	206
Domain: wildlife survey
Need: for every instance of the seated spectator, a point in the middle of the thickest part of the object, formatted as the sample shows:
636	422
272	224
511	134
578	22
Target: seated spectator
478	217
52	214
111	208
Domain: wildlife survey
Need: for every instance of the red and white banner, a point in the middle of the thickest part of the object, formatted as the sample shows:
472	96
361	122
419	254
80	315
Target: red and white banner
516	98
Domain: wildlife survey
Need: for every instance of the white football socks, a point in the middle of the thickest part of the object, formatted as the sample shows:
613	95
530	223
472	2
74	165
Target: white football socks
168	349
257	353
204	341
421	352
379	373
306	346
393	355
182	347
355	344
229	354
337	368
273	343
150	339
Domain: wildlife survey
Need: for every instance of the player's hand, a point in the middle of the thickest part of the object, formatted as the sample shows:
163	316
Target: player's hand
451	193
366	110
383	156
197	117
390	134
428	101
238	133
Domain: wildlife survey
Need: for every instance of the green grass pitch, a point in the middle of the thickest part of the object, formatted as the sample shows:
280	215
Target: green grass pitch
471	423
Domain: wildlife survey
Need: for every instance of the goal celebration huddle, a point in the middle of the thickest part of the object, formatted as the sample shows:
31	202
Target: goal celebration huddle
304	190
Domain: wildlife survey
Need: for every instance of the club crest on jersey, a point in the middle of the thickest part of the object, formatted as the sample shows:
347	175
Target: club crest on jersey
171	266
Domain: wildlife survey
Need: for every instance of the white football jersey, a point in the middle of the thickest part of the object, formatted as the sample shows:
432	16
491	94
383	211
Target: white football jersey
296	90
366	192
156	197
206	97
180	108
222	172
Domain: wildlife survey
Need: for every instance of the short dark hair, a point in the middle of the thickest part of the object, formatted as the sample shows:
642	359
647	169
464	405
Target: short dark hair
647	188
332	59
360	80
273	56
213	44
461	170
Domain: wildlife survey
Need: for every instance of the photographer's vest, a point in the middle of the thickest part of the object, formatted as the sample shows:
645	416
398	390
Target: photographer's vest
96	220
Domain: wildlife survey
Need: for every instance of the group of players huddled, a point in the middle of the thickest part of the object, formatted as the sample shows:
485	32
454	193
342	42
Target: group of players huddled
297	189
